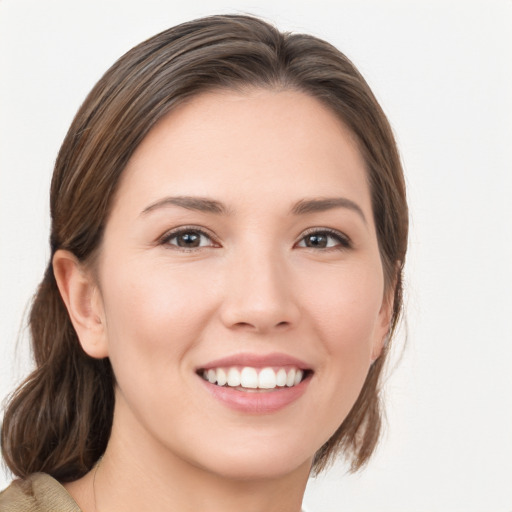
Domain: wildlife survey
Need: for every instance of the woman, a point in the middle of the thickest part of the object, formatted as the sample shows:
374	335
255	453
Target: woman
229	227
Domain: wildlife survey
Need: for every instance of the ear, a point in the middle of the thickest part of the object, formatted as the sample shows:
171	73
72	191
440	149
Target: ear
383	323
82	298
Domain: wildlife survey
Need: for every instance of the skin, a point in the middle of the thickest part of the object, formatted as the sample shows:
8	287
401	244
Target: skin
253	285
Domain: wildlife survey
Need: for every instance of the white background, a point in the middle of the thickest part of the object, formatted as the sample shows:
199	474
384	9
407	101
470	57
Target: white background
443	73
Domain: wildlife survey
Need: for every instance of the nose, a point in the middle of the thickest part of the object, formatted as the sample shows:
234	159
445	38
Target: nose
259	295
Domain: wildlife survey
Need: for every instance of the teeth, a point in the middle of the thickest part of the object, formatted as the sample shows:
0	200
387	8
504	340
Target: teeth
267	379
252	378
290	378
222	378
233	377
249	378
281	377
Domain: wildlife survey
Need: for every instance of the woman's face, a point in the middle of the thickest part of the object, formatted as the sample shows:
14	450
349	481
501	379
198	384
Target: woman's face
241	247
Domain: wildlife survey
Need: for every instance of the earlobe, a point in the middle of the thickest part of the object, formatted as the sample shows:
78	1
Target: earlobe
82	298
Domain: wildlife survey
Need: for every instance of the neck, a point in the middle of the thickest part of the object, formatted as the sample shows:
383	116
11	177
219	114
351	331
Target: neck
187	489
136	473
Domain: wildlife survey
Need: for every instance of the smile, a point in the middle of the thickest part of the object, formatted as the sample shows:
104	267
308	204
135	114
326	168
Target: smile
256	384
250	379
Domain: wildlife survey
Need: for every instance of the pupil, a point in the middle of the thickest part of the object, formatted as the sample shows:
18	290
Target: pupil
316	241
189	240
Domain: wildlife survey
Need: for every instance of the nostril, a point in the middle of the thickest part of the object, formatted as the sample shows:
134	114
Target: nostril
258	327
243	325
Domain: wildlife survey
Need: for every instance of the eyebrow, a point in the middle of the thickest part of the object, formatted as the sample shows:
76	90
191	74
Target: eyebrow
323	204
201	204
302	207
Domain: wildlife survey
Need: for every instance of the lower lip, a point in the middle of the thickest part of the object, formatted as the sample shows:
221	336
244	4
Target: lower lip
257	402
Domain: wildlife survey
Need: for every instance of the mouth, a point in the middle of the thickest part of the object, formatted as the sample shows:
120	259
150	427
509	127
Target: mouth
255	379
256	384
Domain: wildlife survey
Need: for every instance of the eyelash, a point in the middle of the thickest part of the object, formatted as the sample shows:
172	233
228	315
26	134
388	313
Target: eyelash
175	233
342	241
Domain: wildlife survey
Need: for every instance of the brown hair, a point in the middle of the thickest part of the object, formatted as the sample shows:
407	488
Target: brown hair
59	420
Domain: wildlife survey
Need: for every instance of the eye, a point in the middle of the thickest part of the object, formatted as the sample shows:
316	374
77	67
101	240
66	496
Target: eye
324	239
188	238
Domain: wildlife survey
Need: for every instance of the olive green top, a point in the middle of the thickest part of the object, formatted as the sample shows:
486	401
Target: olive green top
38	493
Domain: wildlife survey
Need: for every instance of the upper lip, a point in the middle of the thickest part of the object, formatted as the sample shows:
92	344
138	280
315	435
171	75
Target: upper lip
256	361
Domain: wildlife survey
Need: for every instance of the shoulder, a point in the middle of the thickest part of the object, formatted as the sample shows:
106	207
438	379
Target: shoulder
37	493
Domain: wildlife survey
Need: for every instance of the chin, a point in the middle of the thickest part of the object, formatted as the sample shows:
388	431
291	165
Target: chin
250	459
259	468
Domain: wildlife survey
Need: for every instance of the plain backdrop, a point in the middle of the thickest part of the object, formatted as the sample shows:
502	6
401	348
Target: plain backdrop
443	72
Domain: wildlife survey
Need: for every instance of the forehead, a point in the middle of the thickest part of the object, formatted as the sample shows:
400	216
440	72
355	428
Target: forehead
234	145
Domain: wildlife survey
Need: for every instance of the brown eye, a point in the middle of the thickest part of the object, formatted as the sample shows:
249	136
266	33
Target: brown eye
324	240
188	239
318	241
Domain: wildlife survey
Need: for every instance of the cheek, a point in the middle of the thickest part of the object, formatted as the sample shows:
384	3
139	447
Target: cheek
154	318
347	307
346	314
